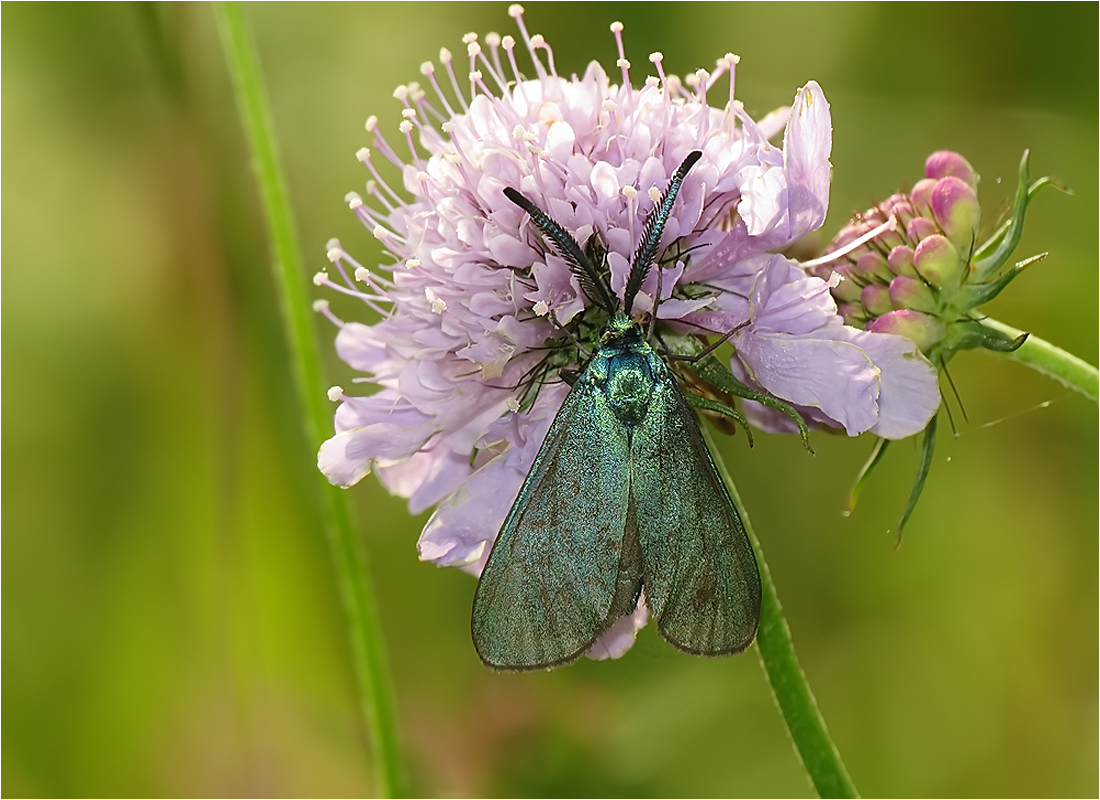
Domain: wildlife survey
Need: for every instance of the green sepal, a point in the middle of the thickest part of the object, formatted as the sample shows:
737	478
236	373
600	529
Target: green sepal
923	467
971	335
973	295
877	452
720	408
1005	239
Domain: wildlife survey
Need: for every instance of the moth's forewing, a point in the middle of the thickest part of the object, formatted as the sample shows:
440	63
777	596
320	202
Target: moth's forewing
702	584
558	575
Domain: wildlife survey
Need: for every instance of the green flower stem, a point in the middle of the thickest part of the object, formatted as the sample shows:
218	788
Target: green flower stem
349	556
1044	357
792	693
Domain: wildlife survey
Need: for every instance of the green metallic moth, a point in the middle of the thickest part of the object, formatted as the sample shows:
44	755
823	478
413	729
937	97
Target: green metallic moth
623	498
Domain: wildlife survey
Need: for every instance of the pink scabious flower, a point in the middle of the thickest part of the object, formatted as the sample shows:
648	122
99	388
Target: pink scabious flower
467	352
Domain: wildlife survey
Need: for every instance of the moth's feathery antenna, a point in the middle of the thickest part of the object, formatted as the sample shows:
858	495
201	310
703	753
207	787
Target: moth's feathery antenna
651	233
567	247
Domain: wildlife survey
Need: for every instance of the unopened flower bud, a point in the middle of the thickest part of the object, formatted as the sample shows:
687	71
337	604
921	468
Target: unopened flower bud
853	314
900	261
849	289
946	163
921	329
939	263
956	209
876	299
920	228
921	196
872	266
906	292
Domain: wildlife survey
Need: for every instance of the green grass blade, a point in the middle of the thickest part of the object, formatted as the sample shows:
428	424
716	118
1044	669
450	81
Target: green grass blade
349	556
792	693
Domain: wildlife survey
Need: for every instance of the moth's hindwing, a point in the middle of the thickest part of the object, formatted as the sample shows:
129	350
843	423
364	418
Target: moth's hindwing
702	584
558	574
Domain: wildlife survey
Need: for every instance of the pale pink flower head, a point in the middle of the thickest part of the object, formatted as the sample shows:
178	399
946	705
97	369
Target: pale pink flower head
467	354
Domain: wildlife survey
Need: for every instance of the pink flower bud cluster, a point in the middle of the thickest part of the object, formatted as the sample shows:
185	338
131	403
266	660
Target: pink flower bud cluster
908	279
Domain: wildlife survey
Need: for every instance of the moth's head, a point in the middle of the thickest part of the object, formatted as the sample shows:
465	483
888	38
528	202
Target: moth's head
621	329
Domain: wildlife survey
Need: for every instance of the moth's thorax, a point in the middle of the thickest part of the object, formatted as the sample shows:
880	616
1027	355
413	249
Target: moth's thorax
626	369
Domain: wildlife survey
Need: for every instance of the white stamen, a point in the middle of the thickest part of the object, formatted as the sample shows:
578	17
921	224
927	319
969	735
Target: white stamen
335	393
473	49
492	39
412	263
622	63
469	38
353	200
401	92
541	308
320	305
439	305
616	27
320	279
538	40
448	126
334	255
890	225
629	192
512	404
362	275
609	105
427	68
371	123
515	10
654	194
332	244
508	42
363	154
405	126
408	113
380	233
655	57
444	55
475	75
652	81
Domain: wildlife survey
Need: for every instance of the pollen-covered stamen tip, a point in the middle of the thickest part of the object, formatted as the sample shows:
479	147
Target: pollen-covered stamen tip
335	393
657	60
732	61
320	279
621	62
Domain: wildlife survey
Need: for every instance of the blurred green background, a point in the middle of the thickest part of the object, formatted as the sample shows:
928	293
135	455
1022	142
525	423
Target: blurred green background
170	621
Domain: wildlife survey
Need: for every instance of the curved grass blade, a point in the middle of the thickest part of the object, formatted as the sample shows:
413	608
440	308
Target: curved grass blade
349	557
